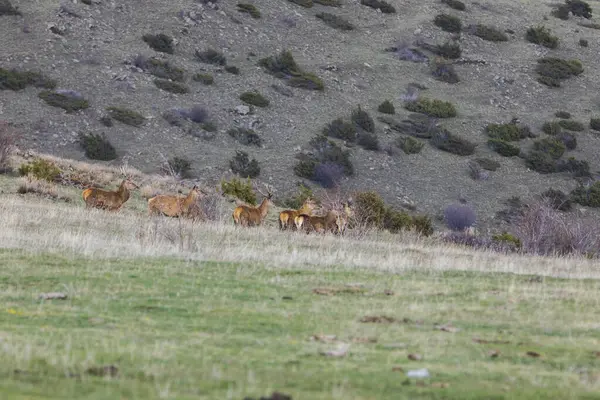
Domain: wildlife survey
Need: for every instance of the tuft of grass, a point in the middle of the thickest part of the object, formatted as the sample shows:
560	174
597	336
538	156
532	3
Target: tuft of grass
451	143
571	125
386	107
409	145
255	99
551	146
553	70
232	69
448	23
363	120
126	116
542	36
211	56
159	42
450	50
335	21
552	128
562	114
455	4
284	66
489	33
443	70
206	79
11	79
68	101
432	107
170	86
245	136
583	43
595	124
97	147
487	163
506	132
504	148
381	5
160	68
250	9
340	129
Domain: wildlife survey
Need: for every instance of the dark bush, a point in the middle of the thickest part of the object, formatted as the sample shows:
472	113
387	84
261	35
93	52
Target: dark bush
507	132
175	116
551	146
6	8
504	148
448	23
106	121
303	3
455	4
385	8
327	151
396	221
97	147
542	36
386	107
179	167
488	164
249	9
19	80
160	68
161	42
329	3
40	169
568	139
242	165
206	79
488	33
255	99
409	145
306	169
211	56
447	141
449	50
340	129
476	172
595	124
363	120
232	69
553	70
557	199
423	225
579	168
433	108
459	217
552	128
197	114
126	116
172	87
562	114
587	196
68	100
327	163
335	21
561	12
404	51
541	162
284	66
328	174
368	141
245	136
243	191
571	125
579	8
444	71
583	43
369	208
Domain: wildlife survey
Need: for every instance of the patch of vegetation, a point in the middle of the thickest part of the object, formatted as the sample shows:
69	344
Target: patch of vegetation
245	136
443	70
386	107
255	99
451	143
507	238
561	12
242	165
558	199
551	128
40	169
335	21
11	79
126	116
97	147
562	114
340	129
590	25
409	145
553	70
6	8
160	68
327	163
363	120
68	100
284	66
579	168
106	121
160	42
211	56
170	86
571	125
568	139
507	132
504	148
542	36
243	191
385	8
489	33
249	9
488	164
433	108
368	141
206	79
450	50
595	124
455	4
580	8
232	69
179	166
551	146
541	162
328	3
448	23
296	201
583	43
303	3
587	196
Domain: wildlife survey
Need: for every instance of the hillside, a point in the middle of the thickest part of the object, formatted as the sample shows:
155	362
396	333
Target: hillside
92	48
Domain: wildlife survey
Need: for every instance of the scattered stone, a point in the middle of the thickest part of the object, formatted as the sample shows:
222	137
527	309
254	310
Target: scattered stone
53	296
242	110
418	373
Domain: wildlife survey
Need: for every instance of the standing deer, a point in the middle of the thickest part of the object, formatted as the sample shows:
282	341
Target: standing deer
317	223
108	200
286	217
342	219
246	215
176	206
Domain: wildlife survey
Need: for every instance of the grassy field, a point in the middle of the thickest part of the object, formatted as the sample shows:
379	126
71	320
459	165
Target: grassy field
159	309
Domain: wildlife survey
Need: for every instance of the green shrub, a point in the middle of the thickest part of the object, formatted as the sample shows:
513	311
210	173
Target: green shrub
243	191
587	196
571	125
449	50
232	69
255	99
595	124
579	8
363	120
340	129
126	116
327	163
160	68
249	9
296	201
97	147
242	165
447	141
385	8
561	12
67	101
443	70
303	3
206	79
368	141
329	3
551	146
106	121
488	164
551	128
488	33
448	23
541	162
423	225
386	107
409	145
6	8
553	70
542	36
396	221
508	239
179	166
370	208
455	4
579	168
161	42
172	87
40	169
19	80
584	42
335	21
211	56
433	108
558	199
329	152
507	132
245	136
305	168
562	114
504	148
568	139
284	66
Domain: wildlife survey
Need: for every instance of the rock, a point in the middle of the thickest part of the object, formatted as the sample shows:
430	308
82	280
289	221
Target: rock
418	373
242	110
53	296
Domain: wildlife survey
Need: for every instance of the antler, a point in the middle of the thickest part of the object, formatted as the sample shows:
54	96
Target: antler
269	188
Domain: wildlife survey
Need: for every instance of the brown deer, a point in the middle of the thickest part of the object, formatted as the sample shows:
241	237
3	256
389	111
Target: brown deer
342	218
286	217
246	215
108	200
176	206
317	223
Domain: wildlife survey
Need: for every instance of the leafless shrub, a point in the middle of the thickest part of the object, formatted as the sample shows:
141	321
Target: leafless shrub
459	217
7	144
477	172
411	94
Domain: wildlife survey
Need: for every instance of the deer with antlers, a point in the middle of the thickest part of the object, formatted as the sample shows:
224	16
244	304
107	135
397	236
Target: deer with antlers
106	199
176	206
246	215
286	217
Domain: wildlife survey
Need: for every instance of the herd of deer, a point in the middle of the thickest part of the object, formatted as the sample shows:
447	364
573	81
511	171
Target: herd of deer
333	221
